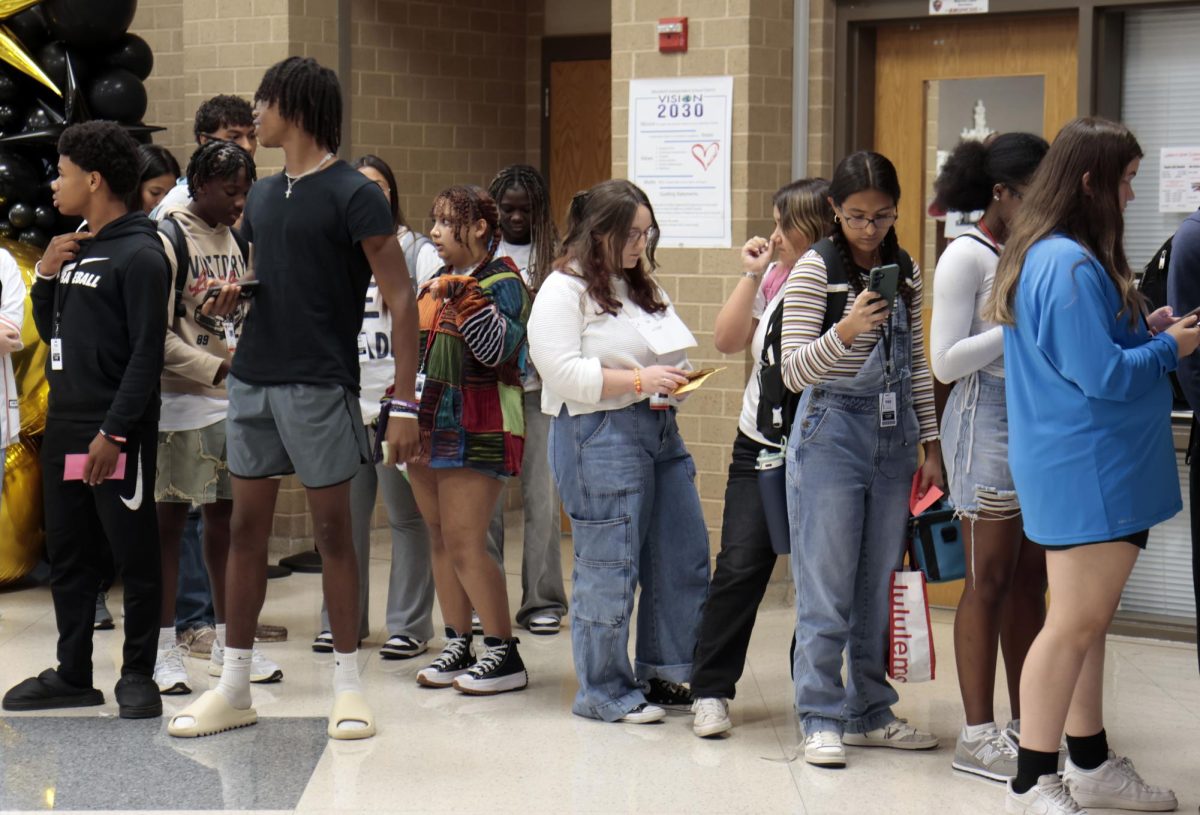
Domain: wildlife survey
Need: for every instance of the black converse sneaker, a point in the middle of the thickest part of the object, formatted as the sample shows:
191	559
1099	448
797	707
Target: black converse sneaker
668	695
498	670
455	659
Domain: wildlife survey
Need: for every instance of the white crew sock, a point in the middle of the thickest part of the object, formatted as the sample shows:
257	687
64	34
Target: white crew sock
166	638
221	634
234	684
975	731
345	678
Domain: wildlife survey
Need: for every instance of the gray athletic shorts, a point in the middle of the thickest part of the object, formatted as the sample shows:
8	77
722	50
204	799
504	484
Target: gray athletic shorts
314	431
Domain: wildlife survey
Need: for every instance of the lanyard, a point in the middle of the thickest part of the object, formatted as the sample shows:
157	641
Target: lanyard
888	336
60	291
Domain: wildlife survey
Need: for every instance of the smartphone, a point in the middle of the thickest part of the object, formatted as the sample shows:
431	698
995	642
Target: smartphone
247	292
885	281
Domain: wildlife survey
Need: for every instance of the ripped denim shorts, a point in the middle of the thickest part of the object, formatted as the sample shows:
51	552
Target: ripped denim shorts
975	449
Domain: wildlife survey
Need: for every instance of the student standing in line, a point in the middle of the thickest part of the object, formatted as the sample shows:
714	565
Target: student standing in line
610	351
192	457
410	585
98	301
473	315
319	230
530	240
419	251
158	174
12	316
867	407
1090	449
221	118
746	560
1003	600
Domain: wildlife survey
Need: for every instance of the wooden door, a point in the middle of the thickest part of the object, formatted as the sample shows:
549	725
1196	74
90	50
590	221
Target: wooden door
580	129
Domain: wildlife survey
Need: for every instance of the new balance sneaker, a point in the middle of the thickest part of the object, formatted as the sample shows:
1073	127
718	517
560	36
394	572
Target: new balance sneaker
1012	732
169	672
544	624
669	695
712	716
897	734
104	618
402	646
823	748
323	642
1115	784
262	670
644	714
1047	797
991	755
454	661
499	670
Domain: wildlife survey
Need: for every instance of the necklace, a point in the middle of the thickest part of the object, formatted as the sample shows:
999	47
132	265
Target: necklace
292	179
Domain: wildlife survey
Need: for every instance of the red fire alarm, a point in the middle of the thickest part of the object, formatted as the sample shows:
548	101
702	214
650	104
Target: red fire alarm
672	34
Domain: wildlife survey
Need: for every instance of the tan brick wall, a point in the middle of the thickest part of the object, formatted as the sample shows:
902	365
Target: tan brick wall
820	88
750	40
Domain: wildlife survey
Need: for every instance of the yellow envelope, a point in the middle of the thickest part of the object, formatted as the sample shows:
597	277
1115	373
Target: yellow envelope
696	379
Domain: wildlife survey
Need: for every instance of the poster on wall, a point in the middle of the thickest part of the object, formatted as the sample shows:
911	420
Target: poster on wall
679	133
958	6
1179	179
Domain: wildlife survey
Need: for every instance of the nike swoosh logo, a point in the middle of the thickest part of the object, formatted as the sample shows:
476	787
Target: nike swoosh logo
135	503
86	261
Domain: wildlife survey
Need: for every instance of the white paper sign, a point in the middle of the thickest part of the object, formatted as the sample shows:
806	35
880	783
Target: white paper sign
679	144
958	6
1179	179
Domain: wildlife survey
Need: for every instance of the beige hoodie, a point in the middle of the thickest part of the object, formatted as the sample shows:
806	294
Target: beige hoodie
196	344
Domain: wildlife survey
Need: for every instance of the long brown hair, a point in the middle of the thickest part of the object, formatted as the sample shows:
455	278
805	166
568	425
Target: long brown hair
597	229
1056	201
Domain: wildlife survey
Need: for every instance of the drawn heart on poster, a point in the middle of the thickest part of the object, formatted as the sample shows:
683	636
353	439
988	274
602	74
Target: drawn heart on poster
706	154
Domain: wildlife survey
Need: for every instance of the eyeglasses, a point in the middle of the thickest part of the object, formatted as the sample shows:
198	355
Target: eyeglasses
250	136
635	235
1018	194
881	222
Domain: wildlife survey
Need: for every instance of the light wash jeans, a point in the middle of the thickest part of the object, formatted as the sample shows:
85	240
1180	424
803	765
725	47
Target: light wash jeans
848	488
628	484
542	590
410	588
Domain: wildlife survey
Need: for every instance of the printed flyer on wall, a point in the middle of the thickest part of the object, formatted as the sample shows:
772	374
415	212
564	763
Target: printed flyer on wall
679	132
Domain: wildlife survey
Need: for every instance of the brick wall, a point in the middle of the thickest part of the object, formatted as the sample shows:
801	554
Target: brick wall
750	40
820	87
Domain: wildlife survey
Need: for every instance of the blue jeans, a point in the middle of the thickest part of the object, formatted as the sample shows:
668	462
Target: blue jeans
193	600
628	483
848	486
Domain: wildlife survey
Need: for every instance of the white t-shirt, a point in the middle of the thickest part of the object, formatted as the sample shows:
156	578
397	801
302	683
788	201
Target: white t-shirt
961	341
762	311
376	363
177	196
519	254
428	260
190	411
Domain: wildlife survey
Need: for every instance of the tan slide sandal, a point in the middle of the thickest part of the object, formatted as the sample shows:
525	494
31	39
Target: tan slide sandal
351	706
210	714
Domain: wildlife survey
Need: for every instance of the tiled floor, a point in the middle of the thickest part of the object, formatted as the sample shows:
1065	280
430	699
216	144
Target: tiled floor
441	752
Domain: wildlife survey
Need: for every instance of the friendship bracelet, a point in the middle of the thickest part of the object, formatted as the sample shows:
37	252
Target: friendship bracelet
404	406
109	437
637	381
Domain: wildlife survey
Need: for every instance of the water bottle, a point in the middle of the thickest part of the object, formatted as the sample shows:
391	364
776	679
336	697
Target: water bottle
772	485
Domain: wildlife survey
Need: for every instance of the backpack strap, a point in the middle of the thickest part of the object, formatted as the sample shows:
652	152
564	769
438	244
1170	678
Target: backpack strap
243	246
174	234
975	238
413	252
837	285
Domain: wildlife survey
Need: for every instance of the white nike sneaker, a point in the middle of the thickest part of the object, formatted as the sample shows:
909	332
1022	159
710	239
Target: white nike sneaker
262	670
1116	785
1047	797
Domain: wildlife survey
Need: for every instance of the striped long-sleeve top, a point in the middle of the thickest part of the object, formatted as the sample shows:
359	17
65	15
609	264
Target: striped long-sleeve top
810	358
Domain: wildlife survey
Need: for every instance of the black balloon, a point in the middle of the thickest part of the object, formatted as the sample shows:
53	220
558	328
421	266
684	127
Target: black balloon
133	54
34	237
10	118
18	178
117	94
44	217
53	59
89	22
20	216
8	88
30	28
7	231
38	119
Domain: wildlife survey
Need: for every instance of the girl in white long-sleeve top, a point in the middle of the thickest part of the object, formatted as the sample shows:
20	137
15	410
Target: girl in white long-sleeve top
12	314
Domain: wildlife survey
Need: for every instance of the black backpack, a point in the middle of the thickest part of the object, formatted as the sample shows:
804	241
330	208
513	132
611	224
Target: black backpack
776	404
1153	284
174	232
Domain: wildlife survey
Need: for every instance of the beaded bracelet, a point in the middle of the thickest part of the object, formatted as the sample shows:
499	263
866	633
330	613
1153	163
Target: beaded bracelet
637	381
400	407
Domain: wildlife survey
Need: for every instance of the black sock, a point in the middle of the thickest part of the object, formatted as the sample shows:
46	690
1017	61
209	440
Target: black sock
1088	752
1032	765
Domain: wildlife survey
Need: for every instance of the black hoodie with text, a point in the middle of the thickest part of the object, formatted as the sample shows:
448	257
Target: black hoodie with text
110	303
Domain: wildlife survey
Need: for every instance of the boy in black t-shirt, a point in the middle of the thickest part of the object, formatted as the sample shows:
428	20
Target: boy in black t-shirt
319	230
98	301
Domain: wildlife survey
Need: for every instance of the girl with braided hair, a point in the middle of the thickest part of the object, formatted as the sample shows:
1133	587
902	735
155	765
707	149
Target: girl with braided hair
472	424
867	404
530	240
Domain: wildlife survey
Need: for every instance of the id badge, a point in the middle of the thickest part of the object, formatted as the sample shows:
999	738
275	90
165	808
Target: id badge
56	356
362	345
230	335
419	387
887	409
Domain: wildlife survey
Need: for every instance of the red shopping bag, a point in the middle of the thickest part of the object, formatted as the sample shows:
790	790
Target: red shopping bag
910	634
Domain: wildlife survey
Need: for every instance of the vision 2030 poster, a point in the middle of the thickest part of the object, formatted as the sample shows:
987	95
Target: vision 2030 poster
679	144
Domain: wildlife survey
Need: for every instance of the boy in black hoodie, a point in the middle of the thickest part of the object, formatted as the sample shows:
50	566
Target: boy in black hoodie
98	301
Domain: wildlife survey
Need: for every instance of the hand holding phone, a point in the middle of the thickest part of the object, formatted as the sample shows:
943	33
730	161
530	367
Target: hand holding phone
885	281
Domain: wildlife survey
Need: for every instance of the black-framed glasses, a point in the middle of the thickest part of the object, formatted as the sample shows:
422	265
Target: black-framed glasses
635	235
880	222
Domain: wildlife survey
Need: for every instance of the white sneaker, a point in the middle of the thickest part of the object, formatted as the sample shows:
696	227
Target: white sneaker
169	672
644	714
897	734
824	749
1047	797
262	670
1115	784
712	716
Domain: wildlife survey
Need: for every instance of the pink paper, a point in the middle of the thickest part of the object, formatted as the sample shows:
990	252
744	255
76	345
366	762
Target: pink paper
74	463
917	505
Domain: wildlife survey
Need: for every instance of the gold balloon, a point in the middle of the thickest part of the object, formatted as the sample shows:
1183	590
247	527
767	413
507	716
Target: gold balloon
10	7
21	499
12	52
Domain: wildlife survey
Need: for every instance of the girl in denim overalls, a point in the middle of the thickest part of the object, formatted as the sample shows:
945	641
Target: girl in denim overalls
851	458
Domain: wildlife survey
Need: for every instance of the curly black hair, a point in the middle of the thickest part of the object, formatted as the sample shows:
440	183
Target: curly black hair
306	94
105	148
222	111
218	160
974	168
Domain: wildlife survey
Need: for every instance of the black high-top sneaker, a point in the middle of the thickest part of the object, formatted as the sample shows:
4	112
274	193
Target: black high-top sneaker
669	695
500	669
455	659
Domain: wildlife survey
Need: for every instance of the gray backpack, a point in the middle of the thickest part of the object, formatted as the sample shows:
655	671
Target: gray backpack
412	252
